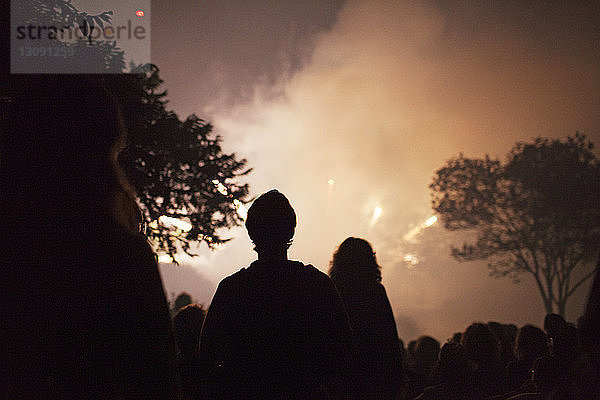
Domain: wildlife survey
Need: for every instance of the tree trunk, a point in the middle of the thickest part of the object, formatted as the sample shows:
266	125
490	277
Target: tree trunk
562	306
561	310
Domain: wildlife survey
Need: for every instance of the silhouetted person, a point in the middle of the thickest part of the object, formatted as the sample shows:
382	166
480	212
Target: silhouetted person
456	336
377	361
84	315
549	380
456	374
588	379
181	301
425	356
505	343
481	346
563	342
510	330
565	345
554	325
187	324
531	344
410	352
276	329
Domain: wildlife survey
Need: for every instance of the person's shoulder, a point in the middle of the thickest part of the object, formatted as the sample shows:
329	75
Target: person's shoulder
309	270
316	279
234	278
240	274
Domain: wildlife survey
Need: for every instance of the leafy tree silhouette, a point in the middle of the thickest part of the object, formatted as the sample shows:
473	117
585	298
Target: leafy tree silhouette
178	169
537	213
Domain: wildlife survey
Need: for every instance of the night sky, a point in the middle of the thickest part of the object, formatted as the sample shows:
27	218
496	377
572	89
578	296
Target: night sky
348	108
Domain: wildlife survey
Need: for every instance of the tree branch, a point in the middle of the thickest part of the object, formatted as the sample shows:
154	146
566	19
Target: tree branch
539	283
582	280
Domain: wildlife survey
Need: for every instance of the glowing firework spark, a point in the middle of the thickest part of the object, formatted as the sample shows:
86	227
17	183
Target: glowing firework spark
165	258
411	260
415	231
175	222
430	221
377	211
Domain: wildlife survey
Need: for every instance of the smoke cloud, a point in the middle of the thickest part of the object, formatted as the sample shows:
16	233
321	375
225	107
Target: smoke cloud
389	92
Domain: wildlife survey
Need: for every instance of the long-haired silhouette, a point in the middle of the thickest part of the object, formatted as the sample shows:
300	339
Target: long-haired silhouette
84	313
377	363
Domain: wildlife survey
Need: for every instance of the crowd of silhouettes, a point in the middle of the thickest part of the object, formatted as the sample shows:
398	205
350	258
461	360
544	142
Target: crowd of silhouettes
280	329
485	361
276	329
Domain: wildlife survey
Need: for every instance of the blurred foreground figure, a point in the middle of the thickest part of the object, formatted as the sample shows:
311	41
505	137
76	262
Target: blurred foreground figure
83	310
377	362
276	329
588	377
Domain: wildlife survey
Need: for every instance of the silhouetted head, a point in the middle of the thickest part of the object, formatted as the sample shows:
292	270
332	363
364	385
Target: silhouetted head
498	330
531	343
354	261
182	300
410	352
456	337
453	365
481	345
565	345
187	325
506	340
511	332
63	135
63	119
554	324
271	222
426	354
